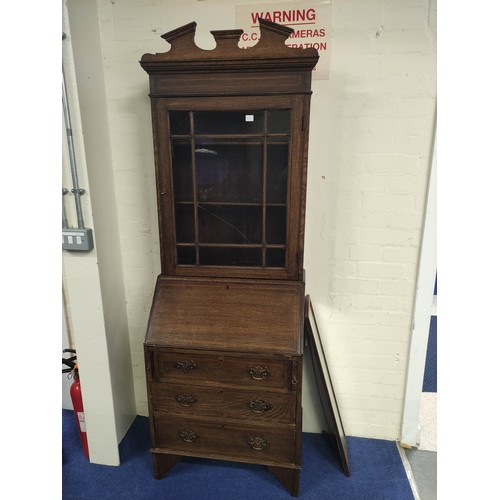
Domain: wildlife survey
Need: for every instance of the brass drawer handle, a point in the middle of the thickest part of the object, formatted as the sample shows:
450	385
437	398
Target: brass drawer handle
259	405
188	436
185	366
257	443
186	399
258	373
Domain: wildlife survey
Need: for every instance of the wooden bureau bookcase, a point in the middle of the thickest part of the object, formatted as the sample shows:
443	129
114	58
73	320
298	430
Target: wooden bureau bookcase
224	343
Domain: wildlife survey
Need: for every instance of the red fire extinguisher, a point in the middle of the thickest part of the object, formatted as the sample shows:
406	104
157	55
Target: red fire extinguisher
76	398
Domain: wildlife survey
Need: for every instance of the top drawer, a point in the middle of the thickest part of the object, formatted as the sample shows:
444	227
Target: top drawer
184	367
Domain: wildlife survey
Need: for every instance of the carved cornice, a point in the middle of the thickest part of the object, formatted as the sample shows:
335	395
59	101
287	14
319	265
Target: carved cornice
270	53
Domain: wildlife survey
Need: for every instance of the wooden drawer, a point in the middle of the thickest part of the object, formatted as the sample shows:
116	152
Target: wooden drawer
181	367
252	406
258	444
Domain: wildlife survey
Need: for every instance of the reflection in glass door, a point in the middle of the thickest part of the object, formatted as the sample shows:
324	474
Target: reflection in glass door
230	176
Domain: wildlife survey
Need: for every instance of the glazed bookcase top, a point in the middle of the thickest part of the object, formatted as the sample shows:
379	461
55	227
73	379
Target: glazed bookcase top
230	130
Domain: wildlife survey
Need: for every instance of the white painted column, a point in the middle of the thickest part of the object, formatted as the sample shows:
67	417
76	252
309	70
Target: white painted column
93	281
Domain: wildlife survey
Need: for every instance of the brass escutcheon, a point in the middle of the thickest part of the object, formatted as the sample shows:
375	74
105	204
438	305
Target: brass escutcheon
258	372
186	399
188	436
257	443
185	366
259	405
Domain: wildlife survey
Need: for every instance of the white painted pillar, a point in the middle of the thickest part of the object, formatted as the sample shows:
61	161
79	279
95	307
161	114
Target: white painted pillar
93	281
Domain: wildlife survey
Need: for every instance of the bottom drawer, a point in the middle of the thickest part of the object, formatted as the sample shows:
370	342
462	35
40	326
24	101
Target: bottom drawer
241	443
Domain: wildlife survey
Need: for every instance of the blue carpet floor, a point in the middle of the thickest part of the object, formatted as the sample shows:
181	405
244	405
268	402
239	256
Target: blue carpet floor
377	472
430	373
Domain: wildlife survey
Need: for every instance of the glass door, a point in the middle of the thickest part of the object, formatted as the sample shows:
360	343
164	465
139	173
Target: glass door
230	187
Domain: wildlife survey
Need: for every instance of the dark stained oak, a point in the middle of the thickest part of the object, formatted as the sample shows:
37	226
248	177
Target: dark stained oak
224	341
162	463
225	368
269	75
228	314
269	54
225	405
290	478
244	442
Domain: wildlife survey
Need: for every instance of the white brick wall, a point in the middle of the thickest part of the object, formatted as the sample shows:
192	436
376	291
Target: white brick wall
371	130
376	114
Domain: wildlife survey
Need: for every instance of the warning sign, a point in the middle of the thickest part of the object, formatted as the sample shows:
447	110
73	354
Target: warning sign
310	21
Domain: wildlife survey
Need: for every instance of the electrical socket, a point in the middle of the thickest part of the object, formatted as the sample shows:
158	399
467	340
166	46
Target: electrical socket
77	239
